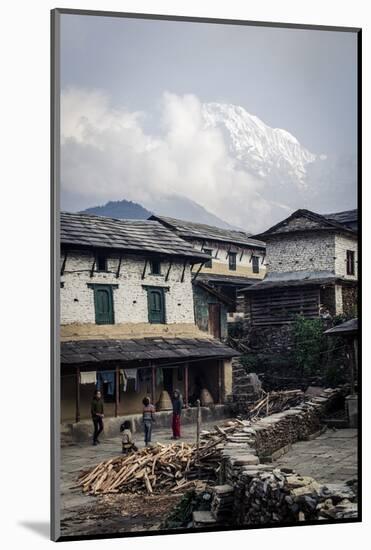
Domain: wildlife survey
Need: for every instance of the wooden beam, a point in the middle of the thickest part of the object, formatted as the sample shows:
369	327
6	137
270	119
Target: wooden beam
183	272
93	266
186	385
77	395
64	263
153	384
220	382
242	253
117	390
202	246
119	268
217	252
229	249
168	271
198	271
144	269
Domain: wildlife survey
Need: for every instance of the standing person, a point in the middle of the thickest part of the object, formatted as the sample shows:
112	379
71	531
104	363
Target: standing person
177	411
148	419
97	414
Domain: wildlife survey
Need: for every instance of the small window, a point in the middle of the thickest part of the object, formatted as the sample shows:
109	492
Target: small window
155	267
209	263
350	262
232	261
101	262
255	264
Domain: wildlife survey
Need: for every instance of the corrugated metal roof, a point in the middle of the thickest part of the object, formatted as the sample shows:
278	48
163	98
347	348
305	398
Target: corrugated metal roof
200	231
124	351
137	236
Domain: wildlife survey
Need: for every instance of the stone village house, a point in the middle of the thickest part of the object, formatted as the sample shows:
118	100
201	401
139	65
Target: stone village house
312	270
128	318
235	261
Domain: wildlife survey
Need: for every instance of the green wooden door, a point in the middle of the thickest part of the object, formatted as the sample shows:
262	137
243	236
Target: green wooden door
156	305
103	305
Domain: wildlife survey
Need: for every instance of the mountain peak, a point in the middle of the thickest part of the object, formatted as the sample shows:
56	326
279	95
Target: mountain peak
262	150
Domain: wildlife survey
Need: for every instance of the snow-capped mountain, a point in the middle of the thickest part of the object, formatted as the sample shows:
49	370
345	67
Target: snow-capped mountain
269	153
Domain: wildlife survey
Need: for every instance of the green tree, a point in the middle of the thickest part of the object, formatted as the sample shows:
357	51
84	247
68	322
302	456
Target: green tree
309	343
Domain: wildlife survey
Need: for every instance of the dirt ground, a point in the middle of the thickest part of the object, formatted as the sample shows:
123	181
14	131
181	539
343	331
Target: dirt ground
330	458
83	514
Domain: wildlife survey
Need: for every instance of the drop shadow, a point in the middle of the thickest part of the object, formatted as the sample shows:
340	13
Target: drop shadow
42	528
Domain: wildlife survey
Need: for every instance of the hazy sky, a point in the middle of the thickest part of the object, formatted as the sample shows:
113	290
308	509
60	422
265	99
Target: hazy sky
303	81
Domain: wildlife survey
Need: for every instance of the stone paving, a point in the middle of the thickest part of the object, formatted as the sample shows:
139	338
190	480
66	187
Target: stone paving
330	458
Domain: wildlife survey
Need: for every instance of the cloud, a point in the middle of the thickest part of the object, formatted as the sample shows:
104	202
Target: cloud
107	155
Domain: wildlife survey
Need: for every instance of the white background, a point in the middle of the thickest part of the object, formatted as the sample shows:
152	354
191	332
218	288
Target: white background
24	219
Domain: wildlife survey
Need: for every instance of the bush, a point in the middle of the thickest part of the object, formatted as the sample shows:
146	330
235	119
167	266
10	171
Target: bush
309	345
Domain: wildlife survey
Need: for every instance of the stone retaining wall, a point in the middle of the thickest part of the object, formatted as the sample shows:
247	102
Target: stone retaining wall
256	493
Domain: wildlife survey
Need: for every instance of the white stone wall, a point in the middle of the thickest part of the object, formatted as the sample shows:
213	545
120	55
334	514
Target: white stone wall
338	299
220	264
313	252
130	298
342	244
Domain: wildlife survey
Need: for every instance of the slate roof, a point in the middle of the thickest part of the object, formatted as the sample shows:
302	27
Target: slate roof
235	280
135	236
349	218
201	231
348	327
293	278
328	221
125	351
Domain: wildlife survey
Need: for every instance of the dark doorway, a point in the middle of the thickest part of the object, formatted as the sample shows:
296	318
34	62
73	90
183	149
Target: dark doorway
214	320
168	380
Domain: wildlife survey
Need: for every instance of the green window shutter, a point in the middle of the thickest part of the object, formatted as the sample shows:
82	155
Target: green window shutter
103	305
156	305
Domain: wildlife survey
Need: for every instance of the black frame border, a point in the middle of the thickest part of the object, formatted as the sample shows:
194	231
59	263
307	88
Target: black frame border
55	261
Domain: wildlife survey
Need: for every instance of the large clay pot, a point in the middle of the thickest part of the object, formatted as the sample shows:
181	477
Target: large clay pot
206	398
164	403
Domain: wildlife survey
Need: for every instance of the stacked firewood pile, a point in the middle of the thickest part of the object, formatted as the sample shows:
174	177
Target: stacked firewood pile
284	496
153	469
274	402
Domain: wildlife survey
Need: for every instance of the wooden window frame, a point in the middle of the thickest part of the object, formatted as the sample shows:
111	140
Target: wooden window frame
209	263
151	262
350	262
101	256
232	265
255	264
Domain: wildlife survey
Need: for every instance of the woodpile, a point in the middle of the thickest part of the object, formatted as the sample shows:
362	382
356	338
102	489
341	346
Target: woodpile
175	467
274	402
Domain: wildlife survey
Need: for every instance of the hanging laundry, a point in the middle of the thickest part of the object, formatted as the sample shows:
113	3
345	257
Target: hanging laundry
106	377
89	377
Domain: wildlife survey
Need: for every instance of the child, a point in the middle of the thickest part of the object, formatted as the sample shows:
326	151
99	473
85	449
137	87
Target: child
127	438
148	419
